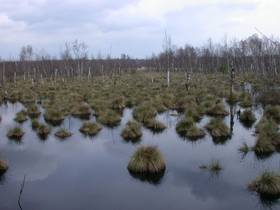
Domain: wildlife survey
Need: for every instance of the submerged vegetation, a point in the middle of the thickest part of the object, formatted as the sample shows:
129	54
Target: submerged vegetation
214	166
244	149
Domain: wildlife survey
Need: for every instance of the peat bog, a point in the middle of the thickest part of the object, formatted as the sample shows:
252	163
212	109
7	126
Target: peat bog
133	143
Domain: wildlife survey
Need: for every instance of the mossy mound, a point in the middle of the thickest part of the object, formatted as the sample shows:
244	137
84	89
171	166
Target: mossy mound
246	100
109	118
195	133
90	128
218	110
132	131
247	118
21	116
267	185
154	125
3	167
272	112
187	128
144	112
146	160
54	116
268	140
218	129
270	96
63	133
15	133
33	111
233	98
82	111
266	125
35	124
118	103
196	113
263	147
182	103
43	131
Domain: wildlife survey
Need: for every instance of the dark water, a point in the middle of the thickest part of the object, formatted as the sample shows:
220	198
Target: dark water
90	173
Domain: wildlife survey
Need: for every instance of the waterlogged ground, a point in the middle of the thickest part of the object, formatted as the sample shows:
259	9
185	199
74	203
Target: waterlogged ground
90	173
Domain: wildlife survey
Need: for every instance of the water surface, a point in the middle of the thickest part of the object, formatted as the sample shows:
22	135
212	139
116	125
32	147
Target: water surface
90	173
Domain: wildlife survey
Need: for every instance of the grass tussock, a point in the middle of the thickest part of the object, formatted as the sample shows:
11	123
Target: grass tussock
233	98
187	128
118	103
43	131
218	129
82	110
109	118
146	160
54	116
247	117
271	97
246	100
268	139
154	125
144	112
272	112
196	113
63	133
15	133
21	116
35	124
90	128
132	131
218	109
33	111
267	184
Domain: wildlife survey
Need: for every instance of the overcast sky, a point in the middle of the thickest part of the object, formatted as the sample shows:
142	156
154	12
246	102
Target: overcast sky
134	27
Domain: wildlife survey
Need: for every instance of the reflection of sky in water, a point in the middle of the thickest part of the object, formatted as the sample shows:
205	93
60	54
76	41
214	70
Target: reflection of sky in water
90	173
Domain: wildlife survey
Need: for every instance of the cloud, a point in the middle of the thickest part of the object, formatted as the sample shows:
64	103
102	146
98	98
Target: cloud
128	25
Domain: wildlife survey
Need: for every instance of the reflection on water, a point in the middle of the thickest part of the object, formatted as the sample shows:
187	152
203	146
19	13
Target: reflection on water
91	173
147	177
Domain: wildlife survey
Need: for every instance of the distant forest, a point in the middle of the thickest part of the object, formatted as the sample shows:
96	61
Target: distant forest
254	54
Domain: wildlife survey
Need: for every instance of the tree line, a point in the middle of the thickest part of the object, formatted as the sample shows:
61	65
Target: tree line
254	54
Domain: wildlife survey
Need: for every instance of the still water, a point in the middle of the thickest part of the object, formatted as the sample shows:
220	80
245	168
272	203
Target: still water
82	173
